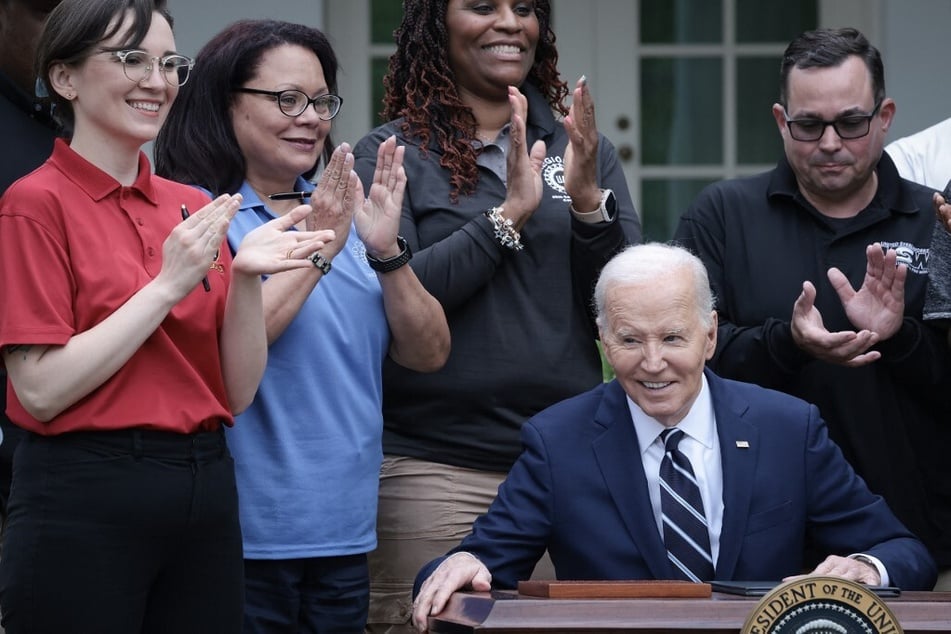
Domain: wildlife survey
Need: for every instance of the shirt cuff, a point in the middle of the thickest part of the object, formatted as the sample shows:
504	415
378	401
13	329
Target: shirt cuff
876	563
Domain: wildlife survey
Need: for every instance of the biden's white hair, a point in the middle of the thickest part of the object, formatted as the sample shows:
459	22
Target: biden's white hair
649	262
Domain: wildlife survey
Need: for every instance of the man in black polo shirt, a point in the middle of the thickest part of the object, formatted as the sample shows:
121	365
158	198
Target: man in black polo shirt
786	248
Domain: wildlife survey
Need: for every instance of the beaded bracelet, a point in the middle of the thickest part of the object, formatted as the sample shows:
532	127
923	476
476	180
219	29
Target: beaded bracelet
505	232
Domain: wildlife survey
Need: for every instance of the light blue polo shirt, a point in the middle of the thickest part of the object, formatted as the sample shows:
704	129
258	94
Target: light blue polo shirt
308	450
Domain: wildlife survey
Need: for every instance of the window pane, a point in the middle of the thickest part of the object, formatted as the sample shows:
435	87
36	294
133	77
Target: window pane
664	202
682	111
774	20
681	21
757	90
386	17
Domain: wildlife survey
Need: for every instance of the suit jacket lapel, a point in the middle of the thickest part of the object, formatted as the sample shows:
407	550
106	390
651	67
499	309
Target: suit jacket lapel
739	449
618	455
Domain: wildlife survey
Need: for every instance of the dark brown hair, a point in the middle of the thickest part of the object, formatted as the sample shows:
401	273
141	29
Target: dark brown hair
75	27
827	48
421	87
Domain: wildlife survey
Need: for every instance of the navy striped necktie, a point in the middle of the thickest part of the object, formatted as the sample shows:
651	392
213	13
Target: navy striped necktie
685	524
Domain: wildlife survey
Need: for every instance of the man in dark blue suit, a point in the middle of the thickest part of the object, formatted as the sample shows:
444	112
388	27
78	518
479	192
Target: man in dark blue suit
588	487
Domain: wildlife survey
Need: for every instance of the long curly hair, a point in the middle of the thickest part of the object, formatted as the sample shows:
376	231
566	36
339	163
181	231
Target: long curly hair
421	87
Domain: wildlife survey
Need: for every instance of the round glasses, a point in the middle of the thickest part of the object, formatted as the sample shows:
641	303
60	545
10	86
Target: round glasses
293	103
137	65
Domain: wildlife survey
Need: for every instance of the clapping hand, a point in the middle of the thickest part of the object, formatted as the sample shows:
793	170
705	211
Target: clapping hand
333	199
876	310
581	154
271	248
524	167
377	218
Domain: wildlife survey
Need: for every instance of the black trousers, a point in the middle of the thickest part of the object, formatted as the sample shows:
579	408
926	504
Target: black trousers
122	532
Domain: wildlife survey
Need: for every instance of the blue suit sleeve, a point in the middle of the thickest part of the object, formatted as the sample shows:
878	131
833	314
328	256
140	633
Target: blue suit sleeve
845	517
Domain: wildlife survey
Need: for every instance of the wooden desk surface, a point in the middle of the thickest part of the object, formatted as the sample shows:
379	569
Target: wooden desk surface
507	612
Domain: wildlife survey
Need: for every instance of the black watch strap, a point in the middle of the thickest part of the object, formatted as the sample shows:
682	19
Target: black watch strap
320	262
393	263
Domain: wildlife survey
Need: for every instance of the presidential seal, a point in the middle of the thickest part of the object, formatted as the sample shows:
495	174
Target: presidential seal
821	605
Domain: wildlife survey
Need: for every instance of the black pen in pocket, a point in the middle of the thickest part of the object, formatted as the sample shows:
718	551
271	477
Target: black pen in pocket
204	280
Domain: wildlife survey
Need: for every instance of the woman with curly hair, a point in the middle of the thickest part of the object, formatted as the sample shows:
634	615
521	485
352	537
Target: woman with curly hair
513	204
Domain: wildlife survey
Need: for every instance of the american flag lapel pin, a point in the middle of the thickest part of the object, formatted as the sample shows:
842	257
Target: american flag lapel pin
742	444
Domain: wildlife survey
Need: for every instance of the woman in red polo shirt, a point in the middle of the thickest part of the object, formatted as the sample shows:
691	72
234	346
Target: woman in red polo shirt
130	336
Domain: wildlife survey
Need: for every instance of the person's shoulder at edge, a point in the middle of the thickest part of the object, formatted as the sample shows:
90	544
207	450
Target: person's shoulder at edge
938	133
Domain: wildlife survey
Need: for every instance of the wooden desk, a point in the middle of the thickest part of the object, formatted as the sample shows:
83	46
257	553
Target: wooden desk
507	612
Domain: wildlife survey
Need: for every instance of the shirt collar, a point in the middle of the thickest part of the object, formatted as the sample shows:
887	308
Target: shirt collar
96	183
889	196
251	200
698	423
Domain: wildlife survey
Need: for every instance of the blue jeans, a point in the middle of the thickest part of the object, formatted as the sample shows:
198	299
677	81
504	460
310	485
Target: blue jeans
312	595
122	532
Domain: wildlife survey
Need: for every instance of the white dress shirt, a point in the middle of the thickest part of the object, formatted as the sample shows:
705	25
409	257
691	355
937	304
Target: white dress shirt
701	445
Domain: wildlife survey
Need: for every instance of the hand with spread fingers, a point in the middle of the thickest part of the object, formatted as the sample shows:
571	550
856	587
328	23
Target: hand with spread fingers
876	310
524	166
581	154
272	248
193	245
377	218
844	347
879	304
332	199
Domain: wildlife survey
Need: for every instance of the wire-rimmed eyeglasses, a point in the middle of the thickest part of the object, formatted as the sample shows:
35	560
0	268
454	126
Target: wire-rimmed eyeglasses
293	103
137	65
853	126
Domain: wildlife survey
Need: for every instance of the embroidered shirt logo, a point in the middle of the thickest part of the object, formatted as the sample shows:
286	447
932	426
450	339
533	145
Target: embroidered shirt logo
553	172
915	258
359	251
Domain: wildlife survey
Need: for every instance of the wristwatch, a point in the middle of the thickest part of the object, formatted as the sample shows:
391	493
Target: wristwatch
320	262
604	213
393	263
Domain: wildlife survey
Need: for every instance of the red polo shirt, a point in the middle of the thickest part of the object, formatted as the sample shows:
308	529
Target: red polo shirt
75	245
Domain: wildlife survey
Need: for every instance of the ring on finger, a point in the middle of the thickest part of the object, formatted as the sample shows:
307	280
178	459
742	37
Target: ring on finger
290	254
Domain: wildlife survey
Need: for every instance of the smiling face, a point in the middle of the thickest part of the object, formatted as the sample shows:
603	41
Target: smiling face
278	148
111	111
833	170
656	340
491	45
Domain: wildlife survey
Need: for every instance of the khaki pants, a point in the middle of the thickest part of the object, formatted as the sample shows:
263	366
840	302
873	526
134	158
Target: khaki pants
425	509
944	580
